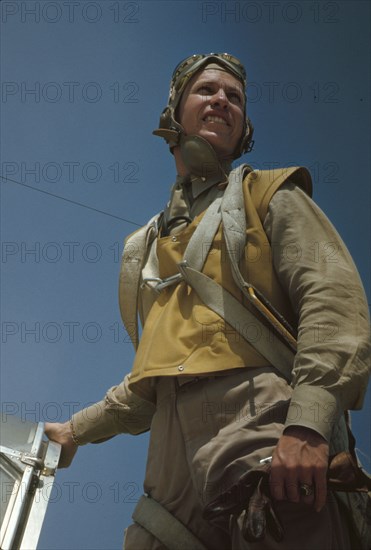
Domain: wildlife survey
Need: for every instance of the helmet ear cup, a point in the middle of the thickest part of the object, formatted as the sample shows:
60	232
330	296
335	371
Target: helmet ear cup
169	129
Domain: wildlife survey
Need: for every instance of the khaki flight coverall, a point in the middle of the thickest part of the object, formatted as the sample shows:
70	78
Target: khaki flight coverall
214	405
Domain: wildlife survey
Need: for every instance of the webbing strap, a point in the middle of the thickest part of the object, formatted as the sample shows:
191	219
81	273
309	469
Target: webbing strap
234	222
200	243
133	257
153	517
202	238
151	269
219	300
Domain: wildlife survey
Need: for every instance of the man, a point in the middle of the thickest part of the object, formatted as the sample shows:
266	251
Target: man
217	402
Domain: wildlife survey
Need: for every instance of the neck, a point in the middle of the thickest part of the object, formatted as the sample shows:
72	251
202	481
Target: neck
181	168
208	166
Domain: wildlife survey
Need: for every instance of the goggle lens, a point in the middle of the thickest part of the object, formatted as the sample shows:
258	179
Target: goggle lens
184	66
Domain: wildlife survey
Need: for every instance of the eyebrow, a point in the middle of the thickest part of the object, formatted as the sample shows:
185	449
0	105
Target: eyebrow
228	87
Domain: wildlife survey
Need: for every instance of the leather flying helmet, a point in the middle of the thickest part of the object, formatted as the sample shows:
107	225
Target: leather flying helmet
170	129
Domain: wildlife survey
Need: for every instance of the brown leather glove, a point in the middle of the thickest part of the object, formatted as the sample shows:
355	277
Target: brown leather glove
251	497
260	515
344	474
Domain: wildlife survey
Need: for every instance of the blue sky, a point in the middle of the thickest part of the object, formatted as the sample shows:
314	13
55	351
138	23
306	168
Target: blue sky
83	85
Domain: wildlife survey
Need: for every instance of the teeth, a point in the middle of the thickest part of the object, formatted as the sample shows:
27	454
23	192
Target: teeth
212	118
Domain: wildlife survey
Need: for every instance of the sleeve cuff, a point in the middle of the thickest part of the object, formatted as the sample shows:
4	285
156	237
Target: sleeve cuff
314	408
121	411
93	424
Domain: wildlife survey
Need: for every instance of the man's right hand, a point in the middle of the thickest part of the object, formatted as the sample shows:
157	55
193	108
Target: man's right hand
62	434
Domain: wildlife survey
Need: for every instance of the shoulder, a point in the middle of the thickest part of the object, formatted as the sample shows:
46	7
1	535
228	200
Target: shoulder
261	185
146	232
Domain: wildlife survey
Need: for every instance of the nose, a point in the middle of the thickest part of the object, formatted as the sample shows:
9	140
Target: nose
219	99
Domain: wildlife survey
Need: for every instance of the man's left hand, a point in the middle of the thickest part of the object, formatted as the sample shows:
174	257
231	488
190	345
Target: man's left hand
299	467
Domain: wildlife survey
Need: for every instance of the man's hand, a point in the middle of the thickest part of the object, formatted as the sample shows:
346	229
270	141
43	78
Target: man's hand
62	433
300	458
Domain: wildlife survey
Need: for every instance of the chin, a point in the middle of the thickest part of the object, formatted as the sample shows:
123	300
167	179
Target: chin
222	149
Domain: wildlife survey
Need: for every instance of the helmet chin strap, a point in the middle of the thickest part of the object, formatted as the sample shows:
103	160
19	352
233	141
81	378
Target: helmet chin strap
202	161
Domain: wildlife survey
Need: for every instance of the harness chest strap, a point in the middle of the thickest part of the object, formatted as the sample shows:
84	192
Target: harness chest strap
241	319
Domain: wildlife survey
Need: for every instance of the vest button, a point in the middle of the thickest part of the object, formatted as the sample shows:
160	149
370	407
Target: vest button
174	239
180	368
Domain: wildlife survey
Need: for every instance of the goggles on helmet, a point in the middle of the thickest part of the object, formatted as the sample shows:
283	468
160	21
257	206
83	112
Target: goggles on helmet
189	66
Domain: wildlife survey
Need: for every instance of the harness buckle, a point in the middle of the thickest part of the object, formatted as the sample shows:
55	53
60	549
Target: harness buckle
160	284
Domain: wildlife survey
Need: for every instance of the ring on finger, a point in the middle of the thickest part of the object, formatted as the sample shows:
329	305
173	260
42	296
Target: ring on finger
306	490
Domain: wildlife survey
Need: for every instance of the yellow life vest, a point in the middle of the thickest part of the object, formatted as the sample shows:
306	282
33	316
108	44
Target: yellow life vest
182	334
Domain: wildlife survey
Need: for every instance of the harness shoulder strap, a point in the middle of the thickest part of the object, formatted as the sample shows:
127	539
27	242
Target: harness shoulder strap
262	185
133	258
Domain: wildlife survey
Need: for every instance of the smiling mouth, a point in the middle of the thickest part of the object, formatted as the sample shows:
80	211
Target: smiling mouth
213	118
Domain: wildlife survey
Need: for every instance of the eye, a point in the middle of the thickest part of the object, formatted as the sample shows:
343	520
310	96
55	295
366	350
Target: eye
235	97
205	90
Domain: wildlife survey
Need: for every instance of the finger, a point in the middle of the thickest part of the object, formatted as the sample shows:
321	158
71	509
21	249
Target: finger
276	484
284	485
51	430
320	488
307	491
48	428
292	487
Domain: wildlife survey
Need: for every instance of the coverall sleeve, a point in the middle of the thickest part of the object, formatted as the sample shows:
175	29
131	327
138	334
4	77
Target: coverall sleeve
121	411
332	363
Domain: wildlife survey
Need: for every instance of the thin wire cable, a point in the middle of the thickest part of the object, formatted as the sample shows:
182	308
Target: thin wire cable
71	201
